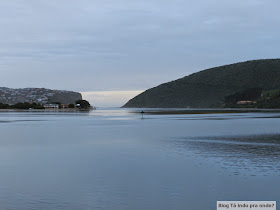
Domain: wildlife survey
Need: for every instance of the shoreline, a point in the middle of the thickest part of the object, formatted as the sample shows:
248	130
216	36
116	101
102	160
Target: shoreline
159	111
43	110
178	111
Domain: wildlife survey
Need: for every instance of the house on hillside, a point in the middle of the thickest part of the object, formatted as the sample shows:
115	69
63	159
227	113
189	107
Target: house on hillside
245	102
51	106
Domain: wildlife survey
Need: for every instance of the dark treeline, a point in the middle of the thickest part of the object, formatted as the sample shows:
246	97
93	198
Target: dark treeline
269	99
248	94
24	105
80	104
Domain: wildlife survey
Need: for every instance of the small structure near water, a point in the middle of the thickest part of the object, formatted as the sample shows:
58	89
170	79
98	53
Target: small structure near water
51	106
246	102
142	114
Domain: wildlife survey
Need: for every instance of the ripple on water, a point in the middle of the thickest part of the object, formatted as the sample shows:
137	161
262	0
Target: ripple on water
239	155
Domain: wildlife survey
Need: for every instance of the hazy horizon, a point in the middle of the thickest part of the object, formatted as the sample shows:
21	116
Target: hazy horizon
109	98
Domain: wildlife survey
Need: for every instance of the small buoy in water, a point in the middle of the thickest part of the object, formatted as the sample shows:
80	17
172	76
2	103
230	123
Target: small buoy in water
142	114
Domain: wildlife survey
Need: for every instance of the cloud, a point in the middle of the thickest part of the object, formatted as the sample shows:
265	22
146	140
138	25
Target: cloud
124	45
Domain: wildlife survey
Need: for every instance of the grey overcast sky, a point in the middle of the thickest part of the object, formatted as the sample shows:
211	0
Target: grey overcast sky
127	45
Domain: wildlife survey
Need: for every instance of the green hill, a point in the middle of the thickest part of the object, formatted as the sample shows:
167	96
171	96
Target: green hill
213	87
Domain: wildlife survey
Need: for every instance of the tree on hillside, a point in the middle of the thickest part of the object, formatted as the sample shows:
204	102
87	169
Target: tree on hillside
27	105
83	104
4	106
71	106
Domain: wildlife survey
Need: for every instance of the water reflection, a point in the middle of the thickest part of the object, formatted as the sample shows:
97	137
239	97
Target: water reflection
239	155
112	159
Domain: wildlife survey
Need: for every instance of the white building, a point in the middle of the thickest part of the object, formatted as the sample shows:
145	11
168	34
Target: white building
51	106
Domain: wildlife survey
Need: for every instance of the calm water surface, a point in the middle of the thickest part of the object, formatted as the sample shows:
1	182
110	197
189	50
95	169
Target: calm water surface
113	159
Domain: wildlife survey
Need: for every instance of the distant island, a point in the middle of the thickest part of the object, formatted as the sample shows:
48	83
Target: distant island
41	98
250	84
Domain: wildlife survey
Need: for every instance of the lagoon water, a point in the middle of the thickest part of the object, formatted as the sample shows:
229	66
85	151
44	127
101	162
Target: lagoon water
113	159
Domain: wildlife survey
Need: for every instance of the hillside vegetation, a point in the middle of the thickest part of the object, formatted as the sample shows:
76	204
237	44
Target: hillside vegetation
37	95
214	87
